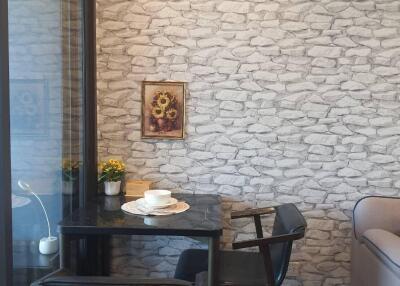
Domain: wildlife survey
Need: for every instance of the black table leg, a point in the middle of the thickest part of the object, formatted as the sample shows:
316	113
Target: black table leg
97	255
106	255
65	251
92	258
213	261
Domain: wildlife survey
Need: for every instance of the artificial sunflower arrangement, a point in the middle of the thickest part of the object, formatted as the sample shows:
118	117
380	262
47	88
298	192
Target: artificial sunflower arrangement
111	171
164	112
70	170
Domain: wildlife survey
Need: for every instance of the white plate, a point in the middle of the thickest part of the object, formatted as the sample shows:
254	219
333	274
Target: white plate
133	207
18	202
143	202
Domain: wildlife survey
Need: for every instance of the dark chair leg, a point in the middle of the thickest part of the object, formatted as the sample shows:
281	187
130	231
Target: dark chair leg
268	265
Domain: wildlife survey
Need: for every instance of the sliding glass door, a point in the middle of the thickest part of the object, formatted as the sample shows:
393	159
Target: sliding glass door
52	126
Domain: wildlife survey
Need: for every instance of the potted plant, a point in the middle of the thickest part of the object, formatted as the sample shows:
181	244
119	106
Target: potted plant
70	176
111	173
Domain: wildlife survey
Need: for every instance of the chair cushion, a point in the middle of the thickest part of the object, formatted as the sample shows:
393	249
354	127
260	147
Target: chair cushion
385	245
238	267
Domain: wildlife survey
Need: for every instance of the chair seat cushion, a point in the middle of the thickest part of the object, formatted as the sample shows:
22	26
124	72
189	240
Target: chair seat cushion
238	267
385	245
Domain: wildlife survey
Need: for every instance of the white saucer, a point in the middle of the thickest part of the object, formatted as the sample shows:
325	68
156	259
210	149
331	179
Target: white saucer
133	207
142	201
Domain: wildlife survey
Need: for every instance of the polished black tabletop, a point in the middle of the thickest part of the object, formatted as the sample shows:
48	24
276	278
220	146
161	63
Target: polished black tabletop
104	216
26	255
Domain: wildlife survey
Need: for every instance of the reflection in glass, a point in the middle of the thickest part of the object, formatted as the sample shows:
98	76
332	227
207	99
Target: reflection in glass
46	124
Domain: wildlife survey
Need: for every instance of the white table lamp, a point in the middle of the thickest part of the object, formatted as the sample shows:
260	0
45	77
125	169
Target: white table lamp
47	245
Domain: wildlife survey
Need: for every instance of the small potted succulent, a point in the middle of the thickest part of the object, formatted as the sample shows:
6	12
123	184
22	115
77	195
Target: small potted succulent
111	173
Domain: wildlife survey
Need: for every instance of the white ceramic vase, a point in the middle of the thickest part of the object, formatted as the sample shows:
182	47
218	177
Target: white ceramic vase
68	187
112	188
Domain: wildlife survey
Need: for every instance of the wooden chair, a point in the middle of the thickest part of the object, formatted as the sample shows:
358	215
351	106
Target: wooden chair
268	266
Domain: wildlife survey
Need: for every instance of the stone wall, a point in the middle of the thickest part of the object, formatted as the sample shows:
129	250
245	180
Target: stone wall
288	101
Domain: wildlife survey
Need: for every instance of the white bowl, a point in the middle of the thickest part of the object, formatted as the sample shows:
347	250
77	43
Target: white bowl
157	197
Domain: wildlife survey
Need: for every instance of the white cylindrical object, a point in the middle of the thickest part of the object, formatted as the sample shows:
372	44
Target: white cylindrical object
112	188
48	245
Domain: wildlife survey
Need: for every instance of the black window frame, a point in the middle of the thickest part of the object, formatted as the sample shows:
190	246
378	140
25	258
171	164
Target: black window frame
89	188
5	159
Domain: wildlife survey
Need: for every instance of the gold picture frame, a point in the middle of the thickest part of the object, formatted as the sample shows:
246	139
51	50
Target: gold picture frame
163	110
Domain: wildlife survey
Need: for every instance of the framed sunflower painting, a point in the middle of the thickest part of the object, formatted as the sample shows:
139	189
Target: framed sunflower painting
163	110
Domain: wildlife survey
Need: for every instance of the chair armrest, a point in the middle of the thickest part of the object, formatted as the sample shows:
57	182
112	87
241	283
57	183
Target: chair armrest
385	245
365	215
252	212
262	242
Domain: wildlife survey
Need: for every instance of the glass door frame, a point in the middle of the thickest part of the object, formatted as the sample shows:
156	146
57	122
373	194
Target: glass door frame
89	187
90	103
6	254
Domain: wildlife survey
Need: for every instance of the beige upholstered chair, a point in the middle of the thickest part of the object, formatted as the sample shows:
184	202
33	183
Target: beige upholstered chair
376	242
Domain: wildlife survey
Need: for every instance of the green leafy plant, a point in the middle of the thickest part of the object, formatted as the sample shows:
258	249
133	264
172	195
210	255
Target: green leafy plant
111	171
70	170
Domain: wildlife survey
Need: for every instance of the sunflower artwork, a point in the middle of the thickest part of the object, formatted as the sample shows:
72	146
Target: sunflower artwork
163	110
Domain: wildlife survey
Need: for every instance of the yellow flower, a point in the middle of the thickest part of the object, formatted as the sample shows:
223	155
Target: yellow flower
112	165
163	101
172	113
69	165
157	112
65	164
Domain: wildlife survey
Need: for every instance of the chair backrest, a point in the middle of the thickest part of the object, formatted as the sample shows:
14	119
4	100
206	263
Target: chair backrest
364	214
288	220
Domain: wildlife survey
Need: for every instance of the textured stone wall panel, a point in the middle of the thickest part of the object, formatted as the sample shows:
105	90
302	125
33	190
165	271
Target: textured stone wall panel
288	101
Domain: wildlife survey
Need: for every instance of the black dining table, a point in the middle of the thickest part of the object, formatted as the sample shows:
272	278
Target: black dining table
103	218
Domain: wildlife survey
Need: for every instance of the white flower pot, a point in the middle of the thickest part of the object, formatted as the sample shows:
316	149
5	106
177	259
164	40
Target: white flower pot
112	188
68	187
